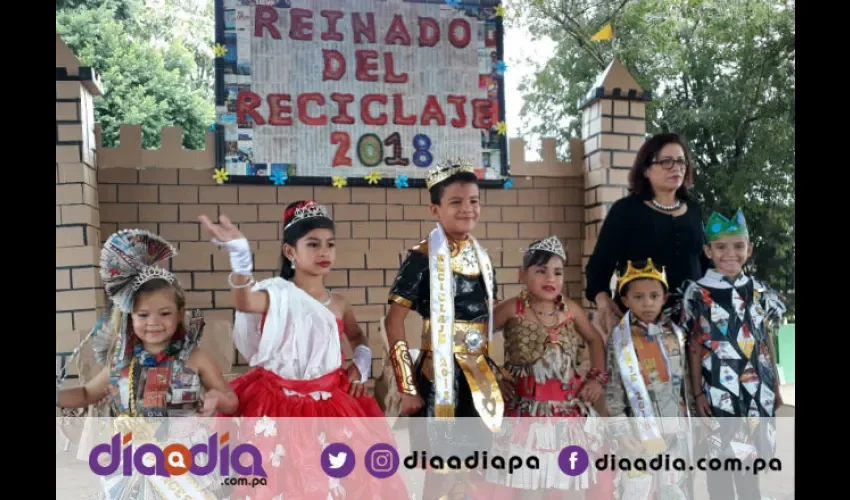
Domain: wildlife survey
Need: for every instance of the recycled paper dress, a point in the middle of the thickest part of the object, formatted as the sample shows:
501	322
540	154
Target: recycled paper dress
146	391
153	387
546	365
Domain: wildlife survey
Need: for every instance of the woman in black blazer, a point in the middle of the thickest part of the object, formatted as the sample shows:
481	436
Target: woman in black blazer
659	219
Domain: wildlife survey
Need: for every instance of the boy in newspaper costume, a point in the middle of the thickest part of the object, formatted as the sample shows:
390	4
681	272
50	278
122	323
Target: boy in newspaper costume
649	397
728	315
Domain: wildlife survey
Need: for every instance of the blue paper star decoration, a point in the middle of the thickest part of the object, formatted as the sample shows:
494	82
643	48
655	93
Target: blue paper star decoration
500	67
453	3
401	181
279	177
509	183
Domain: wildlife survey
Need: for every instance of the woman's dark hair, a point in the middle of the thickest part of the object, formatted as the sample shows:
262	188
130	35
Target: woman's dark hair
536	258
295	232
648	153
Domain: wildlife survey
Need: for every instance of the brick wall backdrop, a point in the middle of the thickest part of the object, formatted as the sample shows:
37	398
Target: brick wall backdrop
101	190
375	226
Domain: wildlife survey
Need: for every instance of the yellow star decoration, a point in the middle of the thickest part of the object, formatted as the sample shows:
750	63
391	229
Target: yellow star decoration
502	128
339	181
374	177
501	11
219	50
220	176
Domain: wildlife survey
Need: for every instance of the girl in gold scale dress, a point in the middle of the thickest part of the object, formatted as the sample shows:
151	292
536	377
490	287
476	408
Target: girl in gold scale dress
543	352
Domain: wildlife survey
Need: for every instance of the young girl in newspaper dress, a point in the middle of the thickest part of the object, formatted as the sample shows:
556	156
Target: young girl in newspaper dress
152	365
553	383
290	330
649	399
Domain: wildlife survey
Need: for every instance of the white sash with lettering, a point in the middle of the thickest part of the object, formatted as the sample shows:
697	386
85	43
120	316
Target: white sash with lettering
443	311
442	321
650	431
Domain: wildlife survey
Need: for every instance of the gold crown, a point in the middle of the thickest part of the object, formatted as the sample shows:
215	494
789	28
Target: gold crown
446	169
648	272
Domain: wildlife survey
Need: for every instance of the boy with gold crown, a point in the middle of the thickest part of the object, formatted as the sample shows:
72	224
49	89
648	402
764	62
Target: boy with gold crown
728	315
649	387
449	280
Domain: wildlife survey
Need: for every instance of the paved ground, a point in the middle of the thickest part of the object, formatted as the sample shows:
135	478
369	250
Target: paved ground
75	481
787	392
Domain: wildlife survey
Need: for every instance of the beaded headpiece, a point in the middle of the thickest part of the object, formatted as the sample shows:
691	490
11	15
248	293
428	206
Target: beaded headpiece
446	169
126	263
552	245
303	211
719	226
649	271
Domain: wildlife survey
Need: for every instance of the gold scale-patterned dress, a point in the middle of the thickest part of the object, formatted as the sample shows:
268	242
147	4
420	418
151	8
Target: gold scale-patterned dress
547	366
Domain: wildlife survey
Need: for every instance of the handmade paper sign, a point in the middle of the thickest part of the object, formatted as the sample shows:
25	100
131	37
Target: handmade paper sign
331	88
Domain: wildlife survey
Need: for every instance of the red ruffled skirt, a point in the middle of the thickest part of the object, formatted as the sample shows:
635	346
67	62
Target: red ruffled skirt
291	445
260	394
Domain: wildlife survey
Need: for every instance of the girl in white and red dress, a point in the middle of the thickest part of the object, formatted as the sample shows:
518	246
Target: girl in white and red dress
290	330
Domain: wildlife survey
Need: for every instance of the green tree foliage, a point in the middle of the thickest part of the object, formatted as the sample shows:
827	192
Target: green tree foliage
723	75
155	61
124	9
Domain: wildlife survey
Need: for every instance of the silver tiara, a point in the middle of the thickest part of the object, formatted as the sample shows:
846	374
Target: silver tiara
552	245
151	273
307	211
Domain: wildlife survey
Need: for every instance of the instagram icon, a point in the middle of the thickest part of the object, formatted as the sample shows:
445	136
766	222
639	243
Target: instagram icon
382	460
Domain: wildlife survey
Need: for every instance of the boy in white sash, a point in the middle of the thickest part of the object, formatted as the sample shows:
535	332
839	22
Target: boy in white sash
449	280
649	397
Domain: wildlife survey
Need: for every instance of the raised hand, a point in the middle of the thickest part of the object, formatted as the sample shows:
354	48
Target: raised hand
226	235
224	231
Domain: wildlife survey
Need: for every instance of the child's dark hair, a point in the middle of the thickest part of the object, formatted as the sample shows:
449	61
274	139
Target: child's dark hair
440	188
536	258
295	232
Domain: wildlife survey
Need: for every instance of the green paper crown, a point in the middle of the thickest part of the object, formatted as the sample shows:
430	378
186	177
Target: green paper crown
719	226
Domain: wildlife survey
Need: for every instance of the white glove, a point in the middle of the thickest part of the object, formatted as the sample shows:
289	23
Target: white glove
241	260
362	359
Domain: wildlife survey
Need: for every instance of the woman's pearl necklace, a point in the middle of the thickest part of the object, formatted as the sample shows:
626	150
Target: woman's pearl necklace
667	208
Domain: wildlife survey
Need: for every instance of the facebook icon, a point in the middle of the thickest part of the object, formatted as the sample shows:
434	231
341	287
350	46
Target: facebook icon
573	460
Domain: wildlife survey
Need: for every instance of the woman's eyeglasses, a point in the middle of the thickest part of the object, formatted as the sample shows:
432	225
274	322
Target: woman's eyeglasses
668	163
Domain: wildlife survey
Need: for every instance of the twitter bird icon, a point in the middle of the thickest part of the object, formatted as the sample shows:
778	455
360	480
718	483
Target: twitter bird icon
337	460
